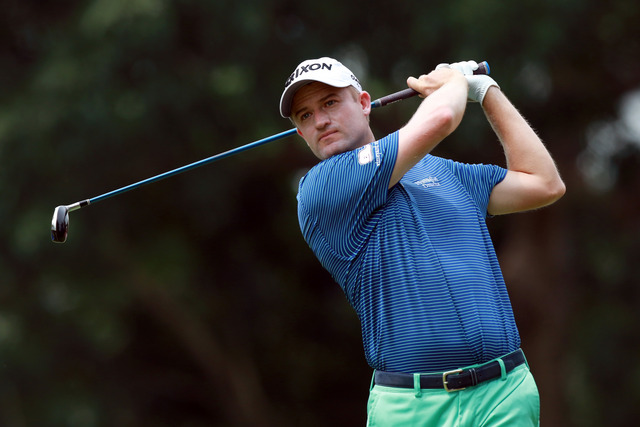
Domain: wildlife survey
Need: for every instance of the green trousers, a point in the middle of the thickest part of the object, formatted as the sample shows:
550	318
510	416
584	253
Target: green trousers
509	401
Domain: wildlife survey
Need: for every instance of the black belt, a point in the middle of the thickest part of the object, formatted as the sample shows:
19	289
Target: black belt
456	379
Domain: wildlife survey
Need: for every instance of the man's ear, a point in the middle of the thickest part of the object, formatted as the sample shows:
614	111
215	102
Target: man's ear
365	101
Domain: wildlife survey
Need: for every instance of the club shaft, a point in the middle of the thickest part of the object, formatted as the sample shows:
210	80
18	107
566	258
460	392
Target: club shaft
188	167
381	102
182	169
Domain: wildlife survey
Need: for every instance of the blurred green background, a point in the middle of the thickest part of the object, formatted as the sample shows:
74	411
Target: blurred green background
194	301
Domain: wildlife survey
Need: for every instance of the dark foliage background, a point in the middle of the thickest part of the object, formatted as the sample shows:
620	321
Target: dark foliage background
194	301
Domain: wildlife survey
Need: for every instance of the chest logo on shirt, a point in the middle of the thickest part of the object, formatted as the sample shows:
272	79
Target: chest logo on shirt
430	181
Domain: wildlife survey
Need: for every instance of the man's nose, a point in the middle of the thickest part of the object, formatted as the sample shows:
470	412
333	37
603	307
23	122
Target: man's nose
321	118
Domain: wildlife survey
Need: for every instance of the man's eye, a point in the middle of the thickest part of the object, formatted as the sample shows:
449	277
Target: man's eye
305	116
330	102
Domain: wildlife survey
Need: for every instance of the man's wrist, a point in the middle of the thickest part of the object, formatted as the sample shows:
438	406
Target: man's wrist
479	85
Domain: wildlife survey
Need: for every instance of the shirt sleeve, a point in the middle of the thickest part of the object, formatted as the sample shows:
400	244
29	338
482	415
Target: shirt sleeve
337	198
478	180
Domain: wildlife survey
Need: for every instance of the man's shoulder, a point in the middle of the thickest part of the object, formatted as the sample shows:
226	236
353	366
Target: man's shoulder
363	155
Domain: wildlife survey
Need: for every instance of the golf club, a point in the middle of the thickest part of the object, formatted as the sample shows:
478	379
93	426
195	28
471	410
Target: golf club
60	219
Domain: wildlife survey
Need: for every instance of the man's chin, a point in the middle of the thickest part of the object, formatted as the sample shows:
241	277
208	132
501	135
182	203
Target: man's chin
331	150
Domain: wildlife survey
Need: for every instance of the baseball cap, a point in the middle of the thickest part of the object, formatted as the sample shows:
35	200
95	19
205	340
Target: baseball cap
325	70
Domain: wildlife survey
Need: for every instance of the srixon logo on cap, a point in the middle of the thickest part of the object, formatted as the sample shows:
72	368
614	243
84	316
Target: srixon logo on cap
306	68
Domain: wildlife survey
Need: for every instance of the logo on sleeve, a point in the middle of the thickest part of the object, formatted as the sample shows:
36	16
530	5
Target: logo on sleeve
365	155
368	153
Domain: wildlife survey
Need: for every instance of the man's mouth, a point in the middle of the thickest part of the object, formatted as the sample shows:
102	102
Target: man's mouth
326	134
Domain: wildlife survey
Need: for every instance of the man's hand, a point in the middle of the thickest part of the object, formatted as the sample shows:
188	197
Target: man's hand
478	84
465	67
426	84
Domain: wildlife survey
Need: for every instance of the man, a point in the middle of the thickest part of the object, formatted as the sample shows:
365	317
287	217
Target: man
403	232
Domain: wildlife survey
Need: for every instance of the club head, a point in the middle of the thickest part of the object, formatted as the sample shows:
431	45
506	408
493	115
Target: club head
60	224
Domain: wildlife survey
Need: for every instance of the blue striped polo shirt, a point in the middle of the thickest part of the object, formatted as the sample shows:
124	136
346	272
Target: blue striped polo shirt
416	261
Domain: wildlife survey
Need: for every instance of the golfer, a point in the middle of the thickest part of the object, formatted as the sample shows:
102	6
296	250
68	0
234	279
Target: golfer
403	233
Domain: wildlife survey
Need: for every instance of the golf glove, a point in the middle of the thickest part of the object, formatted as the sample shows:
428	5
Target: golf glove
478	84
465	67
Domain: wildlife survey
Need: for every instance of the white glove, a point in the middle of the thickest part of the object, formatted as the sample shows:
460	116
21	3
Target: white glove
465	67
478	84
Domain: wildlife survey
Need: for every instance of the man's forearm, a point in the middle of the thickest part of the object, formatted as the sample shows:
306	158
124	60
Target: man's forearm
533	180
437	116
524	151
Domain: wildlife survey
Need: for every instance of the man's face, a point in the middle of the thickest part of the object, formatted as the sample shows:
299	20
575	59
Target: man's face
332	120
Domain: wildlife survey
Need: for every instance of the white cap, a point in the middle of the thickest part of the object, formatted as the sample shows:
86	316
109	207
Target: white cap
324	70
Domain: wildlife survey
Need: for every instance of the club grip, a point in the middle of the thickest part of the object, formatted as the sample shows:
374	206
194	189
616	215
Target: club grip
483	68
